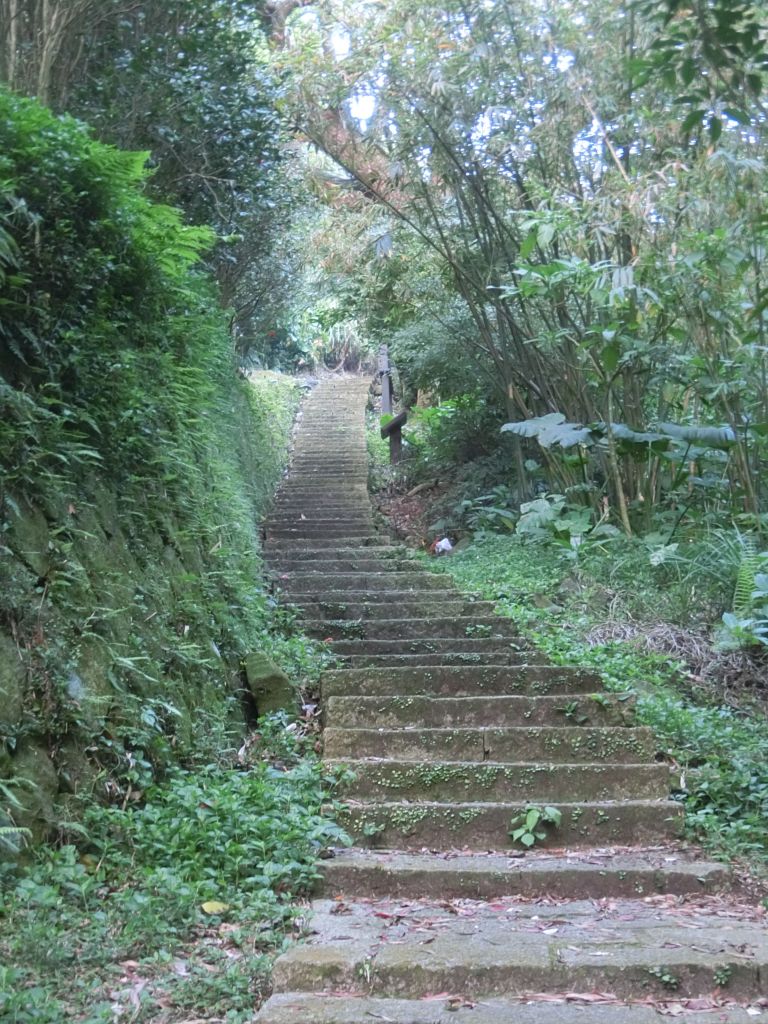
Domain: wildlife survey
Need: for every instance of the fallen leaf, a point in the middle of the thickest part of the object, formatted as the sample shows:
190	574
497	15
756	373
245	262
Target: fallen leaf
214	907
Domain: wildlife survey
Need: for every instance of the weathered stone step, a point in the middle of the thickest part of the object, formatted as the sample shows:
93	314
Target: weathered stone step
302	454
322	521
344	565
500	659
563	744
431	645
308	582
304	529
402	711
306	460
300	497
320	499
400	629
323	490
427	607
459	681
601	873
311	1008
324	543
668	947
446	781
310	470
313	512
320	515
385	552
378	599
485	826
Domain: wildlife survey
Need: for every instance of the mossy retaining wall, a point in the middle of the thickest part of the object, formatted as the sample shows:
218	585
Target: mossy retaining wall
127	610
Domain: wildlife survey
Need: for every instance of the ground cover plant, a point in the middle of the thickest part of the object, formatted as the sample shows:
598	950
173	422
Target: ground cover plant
648	627
174	906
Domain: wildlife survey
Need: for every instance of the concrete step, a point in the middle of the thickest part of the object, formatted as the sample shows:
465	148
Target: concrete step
326	543
670	948
591	873
374	599
322	515
462	781
307	468
307	530
344	565
453	606
431	645
309	582
300	497
400	629
460	681
475	825
385	552
432	712
358	1008
328	490
534	744
443	660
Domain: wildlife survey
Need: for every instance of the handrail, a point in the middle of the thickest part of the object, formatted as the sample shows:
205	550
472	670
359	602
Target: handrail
393	428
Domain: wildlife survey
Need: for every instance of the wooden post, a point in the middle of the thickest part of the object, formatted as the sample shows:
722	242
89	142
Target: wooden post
394	431
386	381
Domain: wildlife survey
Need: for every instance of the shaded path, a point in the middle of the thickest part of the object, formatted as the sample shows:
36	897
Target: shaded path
453	726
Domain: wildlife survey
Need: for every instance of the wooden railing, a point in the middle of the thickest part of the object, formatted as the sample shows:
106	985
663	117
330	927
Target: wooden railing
393	429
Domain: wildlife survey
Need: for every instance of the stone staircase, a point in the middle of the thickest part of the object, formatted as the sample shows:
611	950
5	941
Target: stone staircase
454	726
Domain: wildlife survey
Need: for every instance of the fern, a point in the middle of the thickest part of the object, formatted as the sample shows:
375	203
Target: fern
745	578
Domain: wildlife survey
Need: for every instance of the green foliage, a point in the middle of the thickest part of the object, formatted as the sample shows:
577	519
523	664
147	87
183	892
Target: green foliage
747	624
722	752
543	258
529	827
455	431
712	52
221	853
135	465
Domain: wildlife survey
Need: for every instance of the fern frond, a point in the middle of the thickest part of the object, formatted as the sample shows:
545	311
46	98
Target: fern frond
745	577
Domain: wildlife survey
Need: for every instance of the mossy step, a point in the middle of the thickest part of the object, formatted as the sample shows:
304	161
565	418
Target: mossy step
591	873
383	552
302	455
499	659
372	598
534	744
307	467
657	949
459	681
446	781
319	517
302	529
474	825
499	711
346	611
344	565
312	1008
309	582
324	543
434	644
455	628
329	490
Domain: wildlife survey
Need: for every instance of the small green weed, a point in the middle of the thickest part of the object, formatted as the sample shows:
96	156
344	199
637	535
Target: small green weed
530	827
665	976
